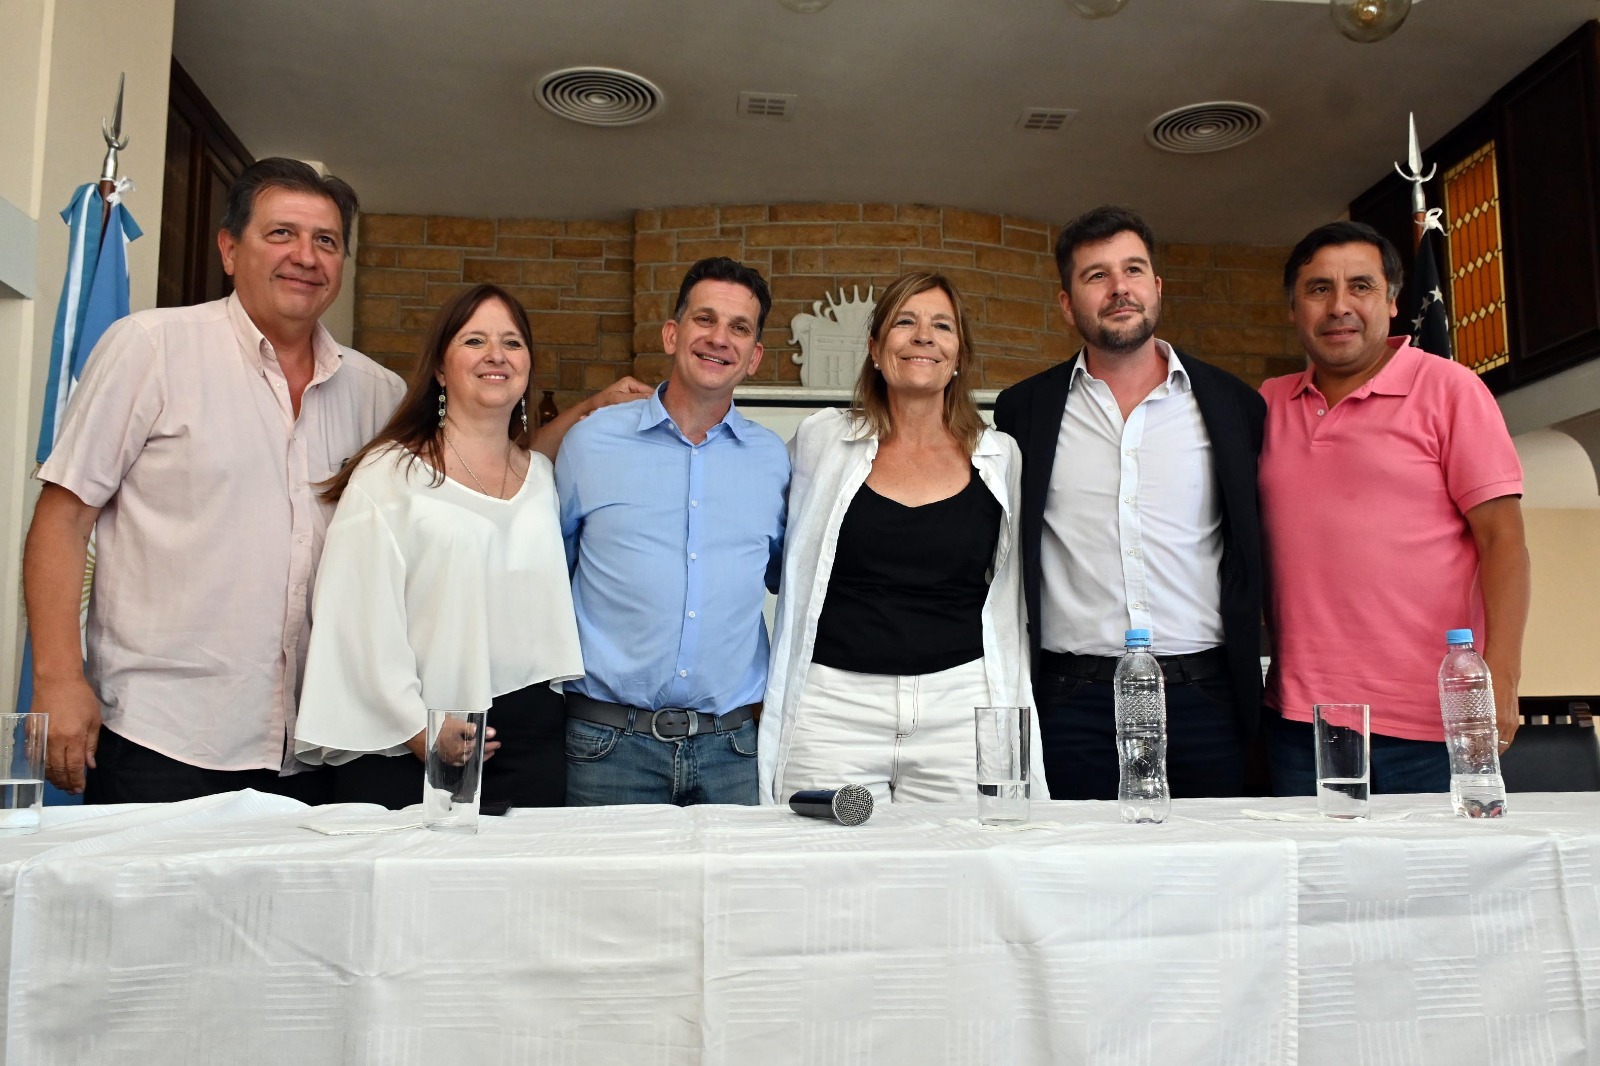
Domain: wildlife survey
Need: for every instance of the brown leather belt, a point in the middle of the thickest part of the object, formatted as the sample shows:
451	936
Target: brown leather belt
669	723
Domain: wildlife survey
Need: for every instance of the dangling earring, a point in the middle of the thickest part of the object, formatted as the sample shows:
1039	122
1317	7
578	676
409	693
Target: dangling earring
441	406
524	414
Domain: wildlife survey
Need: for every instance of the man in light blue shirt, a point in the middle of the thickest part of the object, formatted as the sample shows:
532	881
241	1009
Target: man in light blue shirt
672	508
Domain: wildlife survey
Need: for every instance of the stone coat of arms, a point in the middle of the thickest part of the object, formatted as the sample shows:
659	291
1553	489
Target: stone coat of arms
833	341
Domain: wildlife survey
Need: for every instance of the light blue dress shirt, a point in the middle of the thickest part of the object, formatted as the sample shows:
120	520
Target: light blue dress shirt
672	547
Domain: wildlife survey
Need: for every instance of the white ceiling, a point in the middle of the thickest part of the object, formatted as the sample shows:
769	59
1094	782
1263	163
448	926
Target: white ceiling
426	107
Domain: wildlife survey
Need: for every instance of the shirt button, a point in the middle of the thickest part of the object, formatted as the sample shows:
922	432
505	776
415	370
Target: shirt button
1133	553
1128	500
1136	605
691	614
1128	453
683	673
1320	411
693	556
694	503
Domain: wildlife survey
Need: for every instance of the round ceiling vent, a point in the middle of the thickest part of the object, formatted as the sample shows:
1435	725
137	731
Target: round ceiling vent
598	96
1208	127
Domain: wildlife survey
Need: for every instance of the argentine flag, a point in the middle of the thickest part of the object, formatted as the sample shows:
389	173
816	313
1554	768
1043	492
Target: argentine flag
94	295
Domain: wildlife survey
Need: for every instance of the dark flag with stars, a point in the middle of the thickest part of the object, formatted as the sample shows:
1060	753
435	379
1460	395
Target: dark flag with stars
1430	324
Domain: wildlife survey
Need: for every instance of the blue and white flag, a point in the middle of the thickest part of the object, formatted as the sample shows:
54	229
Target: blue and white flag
94	295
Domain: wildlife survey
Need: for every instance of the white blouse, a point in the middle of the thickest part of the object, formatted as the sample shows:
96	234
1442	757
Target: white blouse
431	596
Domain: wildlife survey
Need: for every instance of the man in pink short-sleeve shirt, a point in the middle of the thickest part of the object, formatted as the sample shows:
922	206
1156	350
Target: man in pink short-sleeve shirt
1390	513
192	448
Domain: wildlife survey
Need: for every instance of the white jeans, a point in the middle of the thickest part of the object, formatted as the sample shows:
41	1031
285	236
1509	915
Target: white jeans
905	738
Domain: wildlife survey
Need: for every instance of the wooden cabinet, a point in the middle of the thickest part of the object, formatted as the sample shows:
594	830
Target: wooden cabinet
1548	140
1545	127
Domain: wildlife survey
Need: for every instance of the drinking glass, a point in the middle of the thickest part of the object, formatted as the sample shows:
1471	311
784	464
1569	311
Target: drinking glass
1343	769
22	744
454	778
1003	741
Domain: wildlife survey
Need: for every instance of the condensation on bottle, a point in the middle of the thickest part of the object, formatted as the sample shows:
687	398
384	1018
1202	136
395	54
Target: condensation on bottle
1466	704
1141	710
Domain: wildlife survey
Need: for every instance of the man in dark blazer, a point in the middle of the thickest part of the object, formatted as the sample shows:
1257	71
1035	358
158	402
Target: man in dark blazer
1138	512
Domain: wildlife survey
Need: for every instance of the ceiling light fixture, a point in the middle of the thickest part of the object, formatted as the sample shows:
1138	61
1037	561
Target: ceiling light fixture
1367	21
1097	9
805	7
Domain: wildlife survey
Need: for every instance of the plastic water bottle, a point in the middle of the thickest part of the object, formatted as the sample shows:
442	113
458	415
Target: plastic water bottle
1141	708
1466	702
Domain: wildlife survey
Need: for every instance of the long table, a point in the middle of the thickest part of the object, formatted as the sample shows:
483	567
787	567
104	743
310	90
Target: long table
221	931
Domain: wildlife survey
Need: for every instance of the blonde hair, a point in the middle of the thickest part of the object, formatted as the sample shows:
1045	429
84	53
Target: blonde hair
871	405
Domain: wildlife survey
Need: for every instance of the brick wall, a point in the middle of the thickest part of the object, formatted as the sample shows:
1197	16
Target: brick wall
575	279
1225	304
597	292
1001	265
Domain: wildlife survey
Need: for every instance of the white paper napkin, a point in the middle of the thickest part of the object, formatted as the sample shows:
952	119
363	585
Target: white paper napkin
362	819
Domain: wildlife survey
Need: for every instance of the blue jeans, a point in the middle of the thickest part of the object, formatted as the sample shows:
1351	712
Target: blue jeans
609	765
1078	728
1395	763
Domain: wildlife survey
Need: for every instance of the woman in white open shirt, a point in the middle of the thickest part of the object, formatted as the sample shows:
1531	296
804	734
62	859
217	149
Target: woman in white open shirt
901	604
443	581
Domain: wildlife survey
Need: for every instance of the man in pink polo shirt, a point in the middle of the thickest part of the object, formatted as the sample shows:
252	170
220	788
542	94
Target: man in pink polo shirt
1391	512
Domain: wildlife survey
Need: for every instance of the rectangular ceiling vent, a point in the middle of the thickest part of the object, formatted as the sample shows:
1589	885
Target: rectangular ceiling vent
1045	119
766	105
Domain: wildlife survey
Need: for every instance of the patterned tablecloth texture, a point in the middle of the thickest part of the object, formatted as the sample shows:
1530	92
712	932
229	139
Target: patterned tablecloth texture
221	931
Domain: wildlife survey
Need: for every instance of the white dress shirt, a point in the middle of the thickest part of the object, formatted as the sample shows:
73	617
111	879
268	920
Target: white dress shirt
1133	522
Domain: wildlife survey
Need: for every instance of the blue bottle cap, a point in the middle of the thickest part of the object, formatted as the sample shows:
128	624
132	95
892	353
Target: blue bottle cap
1457	636
1137	638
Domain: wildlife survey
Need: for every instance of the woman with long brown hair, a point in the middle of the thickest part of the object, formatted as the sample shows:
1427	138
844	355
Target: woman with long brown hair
443	582
901	605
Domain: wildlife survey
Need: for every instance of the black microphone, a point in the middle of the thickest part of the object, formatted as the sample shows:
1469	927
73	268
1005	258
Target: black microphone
850	805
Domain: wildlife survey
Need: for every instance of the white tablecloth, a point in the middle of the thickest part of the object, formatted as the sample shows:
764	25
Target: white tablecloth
219	931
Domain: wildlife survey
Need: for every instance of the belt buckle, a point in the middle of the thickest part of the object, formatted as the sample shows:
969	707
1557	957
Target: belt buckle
692	728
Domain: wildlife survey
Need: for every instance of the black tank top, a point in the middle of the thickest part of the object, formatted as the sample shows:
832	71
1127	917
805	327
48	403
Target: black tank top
908	584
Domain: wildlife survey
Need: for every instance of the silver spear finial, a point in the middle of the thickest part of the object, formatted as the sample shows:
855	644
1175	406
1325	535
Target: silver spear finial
1419	202
115	141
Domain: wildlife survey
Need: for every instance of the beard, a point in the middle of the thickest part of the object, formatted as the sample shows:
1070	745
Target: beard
1125	338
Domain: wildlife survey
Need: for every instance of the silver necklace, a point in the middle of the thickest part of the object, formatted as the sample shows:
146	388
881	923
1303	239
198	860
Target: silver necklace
504	475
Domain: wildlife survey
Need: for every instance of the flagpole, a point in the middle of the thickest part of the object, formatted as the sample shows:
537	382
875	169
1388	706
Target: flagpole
115	142
94	294
1426	308
1419	201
